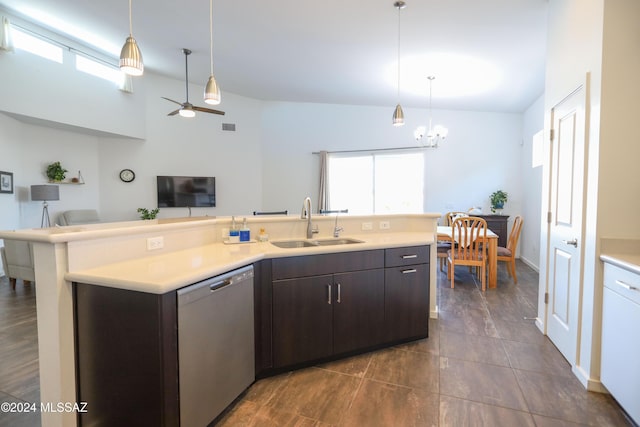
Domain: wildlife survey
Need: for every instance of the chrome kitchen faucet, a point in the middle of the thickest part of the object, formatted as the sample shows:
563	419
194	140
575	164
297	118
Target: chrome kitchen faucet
306	214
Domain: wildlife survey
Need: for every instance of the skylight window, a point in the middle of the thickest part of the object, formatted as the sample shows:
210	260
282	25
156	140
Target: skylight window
98	69
36	46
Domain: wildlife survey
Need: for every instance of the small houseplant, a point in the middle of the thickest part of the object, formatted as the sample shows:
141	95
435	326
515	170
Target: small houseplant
148	214
498	199
55	172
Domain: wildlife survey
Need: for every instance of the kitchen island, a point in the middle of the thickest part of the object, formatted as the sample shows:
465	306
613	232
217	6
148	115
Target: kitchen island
116	255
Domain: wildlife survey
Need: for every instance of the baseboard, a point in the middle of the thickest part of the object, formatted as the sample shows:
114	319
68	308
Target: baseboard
530	264
588	383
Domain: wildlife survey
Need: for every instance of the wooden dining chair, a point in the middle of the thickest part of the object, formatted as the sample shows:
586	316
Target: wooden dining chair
508	254
451	216
469	233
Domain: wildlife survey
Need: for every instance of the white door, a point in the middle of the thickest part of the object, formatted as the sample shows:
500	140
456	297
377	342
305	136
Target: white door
565	221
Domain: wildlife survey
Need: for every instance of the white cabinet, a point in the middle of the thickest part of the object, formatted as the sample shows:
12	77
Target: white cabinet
620	369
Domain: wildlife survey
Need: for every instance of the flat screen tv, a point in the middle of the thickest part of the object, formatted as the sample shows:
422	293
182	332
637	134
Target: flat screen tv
186	191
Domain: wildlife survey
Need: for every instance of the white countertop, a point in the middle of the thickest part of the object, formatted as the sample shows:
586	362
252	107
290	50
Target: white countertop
624	253
630	262
170	271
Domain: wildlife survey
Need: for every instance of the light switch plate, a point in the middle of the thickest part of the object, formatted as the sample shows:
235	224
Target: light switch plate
367	226
385	225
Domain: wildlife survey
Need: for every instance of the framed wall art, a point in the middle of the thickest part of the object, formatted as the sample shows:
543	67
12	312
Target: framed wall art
6	182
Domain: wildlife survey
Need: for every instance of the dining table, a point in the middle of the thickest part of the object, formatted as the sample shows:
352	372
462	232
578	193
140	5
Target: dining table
445	234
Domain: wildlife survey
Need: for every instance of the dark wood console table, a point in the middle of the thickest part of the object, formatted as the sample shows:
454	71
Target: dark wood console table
498	224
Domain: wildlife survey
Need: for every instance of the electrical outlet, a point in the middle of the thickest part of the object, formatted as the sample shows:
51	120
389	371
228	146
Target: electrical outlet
367	226
385	225
154	243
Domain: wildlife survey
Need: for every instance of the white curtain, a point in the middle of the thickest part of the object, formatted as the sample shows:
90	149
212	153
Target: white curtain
323	198
6	42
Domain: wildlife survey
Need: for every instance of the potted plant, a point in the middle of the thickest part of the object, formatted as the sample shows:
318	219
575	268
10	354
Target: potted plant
55	172
498	199
148	214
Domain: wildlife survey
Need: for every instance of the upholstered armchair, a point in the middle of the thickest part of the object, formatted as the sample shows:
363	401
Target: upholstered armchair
78	216
17	261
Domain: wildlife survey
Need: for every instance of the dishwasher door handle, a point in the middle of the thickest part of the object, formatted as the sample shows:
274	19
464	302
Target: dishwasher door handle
219	285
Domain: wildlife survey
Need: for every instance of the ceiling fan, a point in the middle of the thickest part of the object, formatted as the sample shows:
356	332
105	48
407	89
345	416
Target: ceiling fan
186	108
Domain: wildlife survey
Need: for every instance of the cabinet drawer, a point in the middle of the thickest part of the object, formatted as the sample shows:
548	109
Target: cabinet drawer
398	257
314	265
623	282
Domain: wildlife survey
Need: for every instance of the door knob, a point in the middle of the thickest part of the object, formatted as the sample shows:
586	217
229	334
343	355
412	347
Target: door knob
573	242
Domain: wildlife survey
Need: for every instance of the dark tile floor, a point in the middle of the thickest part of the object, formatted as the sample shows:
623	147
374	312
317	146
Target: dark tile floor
483	365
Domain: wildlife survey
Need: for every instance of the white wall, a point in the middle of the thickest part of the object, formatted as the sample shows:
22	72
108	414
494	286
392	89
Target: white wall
598	37
529	246
179	146
480	155
267	164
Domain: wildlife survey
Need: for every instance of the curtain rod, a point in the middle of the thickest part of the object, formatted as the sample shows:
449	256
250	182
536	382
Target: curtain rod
62	44
372	150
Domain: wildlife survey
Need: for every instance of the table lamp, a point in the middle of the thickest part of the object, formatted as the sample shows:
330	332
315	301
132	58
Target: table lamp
45	193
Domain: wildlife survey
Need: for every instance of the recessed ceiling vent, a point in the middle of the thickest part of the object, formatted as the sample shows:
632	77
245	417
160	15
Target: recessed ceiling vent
229	126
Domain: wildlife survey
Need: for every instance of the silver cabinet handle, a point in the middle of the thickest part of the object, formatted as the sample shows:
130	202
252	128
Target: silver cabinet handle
573	242
627	286
409	256
329	294
339	294
412	270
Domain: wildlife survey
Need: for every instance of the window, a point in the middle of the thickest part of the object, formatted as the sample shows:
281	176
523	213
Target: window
35	45
97	69
375	182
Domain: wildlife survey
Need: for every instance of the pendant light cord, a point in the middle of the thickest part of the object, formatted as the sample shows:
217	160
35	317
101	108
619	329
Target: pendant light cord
130	20
186	74
211	33
398	86
430	96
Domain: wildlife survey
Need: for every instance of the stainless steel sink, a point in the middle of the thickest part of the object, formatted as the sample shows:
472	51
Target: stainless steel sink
317	242
337	241
293	244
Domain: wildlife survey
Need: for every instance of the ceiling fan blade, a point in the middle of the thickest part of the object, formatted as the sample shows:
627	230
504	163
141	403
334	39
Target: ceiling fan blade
208	110
179	103
173	113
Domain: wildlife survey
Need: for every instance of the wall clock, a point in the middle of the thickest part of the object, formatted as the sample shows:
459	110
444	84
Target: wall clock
127	175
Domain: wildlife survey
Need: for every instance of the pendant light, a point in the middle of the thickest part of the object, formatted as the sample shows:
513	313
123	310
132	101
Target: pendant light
398	114
211	91
130	56
434	134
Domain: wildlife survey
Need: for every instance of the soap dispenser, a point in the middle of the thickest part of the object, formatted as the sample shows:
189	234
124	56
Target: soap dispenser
245	233
234	233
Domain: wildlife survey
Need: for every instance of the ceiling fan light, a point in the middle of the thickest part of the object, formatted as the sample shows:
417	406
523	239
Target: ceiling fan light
398	116
131	58
212	92
187	111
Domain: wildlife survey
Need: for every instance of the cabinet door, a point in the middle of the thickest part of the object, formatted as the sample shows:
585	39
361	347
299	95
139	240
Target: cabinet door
358	310
406	308
302	319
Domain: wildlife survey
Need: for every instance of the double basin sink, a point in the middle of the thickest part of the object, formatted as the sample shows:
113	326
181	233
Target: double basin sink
311	243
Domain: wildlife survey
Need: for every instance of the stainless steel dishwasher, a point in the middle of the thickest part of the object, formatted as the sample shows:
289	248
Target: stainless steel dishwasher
215	344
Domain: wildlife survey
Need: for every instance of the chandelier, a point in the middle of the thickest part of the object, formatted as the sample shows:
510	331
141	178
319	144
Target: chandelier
430	137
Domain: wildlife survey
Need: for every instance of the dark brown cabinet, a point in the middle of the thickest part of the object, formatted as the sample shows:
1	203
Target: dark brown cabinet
317	317
323	315
499	225
364	300
126	357
406	311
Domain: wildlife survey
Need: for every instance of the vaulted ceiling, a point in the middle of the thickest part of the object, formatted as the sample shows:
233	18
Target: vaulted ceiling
486	56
